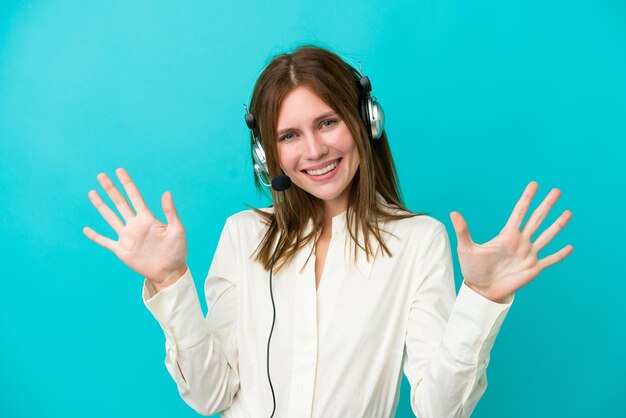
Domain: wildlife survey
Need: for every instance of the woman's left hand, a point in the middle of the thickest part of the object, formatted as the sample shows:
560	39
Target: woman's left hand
497	268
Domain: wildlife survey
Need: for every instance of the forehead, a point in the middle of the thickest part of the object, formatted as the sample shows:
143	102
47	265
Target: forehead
300	106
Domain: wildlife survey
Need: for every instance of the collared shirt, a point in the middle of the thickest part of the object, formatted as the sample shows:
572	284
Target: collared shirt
338	350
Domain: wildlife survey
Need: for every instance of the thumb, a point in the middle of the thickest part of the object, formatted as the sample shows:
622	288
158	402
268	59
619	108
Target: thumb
169	209
461	229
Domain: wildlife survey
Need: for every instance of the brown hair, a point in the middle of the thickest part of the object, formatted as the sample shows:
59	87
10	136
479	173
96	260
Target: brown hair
336	83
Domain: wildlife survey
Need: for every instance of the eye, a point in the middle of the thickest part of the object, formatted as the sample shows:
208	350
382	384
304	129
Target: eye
333	121
286	137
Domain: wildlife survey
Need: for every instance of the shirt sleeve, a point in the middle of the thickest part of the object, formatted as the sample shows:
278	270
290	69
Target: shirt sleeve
448	339
201	352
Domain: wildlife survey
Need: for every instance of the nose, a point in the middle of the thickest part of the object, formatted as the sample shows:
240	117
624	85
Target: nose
315	147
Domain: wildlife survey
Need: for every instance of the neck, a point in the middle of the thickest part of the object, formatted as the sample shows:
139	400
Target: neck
335	206
331	210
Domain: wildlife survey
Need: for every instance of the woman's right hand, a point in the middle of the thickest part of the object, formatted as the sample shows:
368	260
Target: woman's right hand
153	249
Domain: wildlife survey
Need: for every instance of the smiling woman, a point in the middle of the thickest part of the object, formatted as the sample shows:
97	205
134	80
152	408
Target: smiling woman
379	297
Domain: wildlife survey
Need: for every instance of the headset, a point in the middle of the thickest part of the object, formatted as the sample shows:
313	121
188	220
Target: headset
370	110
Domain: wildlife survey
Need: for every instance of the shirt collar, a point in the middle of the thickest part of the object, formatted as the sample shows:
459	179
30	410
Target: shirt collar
339	230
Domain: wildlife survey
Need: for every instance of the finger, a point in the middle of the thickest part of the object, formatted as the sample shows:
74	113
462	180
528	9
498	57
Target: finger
105	242
116	197
106	212
169	209
556	257
547	235
132	191
520	209
526	276
540	213
464	239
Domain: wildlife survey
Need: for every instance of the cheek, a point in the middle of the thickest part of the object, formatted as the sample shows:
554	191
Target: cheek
285	159
346	144
357	160
343	140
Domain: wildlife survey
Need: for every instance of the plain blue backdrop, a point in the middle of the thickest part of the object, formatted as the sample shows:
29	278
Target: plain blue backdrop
480	99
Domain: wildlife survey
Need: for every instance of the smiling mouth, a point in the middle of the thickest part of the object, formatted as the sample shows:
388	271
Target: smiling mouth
330	167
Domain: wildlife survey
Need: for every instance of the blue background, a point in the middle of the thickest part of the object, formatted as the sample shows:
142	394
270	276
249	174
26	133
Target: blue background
480	99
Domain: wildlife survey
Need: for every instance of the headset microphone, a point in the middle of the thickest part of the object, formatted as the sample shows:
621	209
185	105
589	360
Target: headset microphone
281	183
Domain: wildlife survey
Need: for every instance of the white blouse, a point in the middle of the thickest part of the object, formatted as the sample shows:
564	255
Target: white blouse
336	351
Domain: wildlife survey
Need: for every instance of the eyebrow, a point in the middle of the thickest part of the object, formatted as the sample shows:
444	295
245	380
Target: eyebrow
317	119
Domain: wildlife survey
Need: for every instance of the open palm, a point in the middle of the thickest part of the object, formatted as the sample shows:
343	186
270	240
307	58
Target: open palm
497	268
146	245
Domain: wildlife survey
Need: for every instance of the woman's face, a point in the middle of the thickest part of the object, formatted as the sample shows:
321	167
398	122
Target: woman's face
316	149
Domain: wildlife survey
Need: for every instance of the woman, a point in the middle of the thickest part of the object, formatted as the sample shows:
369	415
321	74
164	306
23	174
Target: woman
361	288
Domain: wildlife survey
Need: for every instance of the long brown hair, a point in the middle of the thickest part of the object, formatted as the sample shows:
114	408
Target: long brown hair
336	83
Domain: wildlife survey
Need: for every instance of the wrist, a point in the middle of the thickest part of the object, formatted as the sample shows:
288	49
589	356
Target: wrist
485	293
170	278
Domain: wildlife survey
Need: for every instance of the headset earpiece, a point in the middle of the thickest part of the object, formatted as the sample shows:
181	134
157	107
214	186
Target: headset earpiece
371	111
258	154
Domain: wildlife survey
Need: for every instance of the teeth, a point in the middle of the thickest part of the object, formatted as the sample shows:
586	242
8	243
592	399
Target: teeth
324	170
